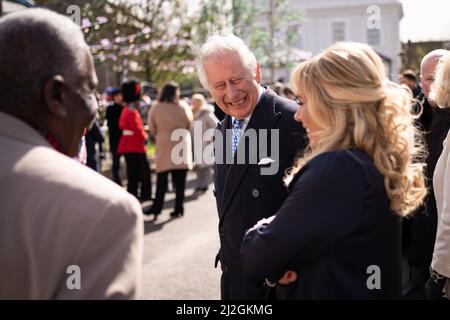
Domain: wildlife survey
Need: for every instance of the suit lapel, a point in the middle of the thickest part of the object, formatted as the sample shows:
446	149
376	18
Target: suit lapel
265	116
220	167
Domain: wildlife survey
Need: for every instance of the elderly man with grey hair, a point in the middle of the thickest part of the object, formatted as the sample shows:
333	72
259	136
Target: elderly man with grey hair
244	195
419	232
66	232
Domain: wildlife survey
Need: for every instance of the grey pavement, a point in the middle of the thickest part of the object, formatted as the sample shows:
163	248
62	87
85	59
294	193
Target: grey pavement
179	253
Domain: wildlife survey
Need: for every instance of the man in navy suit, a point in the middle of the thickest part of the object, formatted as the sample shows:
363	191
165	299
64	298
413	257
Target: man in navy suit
254	145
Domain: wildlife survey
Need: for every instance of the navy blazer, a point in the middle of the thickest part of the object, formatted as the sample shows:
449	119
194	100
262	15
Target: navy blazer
244	195
336	230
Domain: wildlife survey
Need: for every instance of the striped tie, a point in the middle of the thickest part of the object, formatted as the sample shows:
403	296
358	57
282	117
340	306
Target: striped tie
237	130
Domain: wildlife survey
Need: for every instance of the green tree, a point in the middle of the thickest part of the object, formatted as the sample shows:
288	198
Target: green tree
150	40
274	35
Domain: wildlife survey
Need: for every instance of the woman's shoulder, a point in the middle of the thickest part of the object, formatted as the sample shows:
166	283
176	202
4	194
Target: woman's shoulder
127	113
167	107
344	159
339	166
182	105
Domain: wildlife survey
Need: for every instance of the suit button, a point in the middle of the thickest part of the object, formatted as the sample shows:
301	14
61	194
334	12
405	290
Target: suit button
221	232
255	193
224	268
215	193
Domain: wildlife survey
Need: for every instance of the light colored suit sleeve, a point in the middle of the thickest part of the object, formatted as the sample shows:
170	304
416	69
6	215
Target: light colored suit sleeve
441	255
110	257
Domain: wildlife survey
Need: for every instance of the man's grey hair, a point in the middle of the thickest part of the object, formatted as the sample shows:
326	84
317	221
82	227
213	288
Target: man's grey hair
219	45
36	45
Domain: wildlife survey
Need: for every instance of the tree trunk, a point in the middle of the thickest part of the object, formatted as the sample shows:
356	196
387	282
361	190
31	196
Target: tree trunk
148	68
271	41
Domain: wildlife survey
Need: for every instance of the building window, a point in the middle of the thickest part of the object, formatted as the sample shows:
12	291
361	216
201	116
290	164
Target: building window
338	31
373	37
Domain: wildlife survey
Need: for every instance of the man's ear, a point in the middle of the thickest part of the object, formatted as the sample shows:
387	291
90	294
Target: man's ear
53	96
258	73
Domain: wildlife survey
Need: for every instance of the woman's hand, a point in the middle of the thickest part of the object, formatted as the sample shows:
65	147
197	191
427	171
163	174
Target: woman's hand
288	278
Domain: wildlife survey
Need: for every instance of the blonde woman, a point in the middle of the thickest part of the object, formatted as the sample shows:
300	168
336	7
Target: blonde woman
337	235
440	266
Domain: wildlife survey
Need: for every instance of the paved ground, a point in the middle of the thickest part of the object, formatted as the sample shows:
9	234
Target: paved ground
179	253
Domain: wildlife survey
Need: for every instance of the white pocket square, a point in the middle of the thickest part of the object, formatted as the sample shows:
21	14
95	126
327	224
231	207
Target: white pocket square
265	162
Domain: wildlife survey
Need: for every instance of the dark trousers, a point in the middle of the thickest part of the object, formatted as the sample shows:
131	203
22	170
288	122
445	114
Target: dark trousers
179	181
116	166
138	171
413	280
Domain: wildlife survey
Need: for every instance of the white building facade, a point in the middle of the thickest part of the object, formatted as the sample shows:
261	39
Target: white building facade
375	22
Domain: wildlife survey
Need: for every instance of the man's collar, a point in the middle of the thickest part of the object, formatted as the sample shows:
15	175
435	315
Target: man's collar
17	129
261	90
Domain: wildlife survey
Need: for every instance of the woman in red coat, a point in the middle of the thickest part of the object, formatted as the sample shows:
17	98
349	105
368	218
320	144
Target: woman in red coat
132	143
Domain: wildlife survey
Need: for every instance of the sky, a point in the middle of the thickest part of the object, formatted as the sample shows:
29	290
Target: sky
425	20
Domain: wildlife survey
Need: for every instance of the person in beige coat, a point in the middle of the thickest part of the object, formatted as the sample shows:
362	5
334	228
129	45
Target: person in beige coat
202	134
169	122
439	283
66	232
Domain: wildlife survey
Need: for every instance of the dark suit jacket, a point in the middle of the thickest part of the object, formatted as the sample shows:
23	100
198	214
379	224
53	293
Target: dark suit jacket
113	113
419	232
334	226
94	136
244	196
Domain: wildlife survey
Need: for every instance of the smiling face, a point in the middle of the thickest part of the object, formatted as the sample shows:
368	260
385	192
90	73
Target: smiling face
234	88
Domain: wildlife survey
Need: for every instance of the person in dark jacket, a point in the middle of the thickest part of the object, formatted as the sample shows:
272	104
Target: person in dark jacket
113	113
419	232
337	236
94	137
246	191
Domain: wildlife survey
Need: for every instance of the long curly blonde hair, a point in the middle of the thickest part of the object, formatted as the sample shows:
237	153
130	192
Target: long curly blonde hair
350	98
